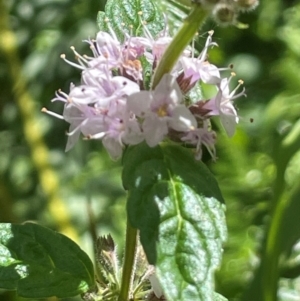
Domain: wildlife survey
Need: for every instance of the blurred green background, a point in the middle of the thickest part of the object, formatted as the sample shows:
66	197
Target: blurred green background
258	169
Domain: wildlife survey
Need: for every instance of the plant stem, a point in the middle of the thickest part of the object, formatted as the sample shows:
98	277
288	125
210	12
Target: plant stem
170	57
271	259
283	201
130	247
183	37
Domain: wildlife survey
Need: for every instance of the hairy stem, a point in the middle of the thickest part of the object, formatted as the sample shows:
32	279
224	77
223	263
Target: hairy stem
183	37
130	247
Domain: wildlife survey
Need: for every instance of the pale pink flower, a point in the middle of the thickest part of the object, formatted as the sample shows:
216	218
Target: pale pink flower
160	110
109	105
222	105
199	68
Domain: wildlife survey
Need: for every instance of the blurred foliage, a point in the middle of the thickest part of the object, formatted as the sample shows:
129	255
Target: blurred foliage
258	169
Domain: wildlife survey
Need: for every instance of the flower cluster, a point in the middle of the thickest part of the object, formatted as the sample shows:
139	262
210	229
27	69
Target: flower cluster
116	103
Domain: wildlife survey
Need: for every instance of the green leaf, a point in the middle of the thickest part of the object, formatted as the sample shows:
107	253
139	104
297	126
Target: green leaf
218	297
40	263
176	204
123	17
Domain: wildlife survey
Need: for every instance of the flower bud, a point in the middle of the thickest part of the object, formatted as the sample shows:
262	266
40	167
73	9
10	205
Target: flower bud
224	14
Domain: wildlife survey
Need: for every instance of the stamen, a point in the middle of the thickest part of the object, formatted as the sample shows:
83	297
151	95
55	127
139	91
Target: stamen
232	94
165	31
65	97
44	110
208	43
232	74
77	128
111	31
193	48
131	29
89	58
146	30
211	150
239	94
162	111
92	79
96	136
79	57
93	49
63	56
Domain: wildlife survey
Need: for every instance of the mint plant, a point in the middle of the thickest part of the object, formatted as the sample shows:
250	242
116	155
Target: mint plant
139	94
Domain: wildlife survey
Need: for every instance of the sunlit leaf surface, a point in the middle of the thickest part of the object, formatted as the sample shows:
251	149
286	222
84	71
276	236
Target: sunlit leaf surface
176	203
38	262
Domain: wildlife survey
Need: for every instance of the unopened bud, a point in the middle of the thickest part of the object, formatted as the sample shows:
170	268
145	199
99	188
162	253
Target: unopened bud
106	243
224	14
